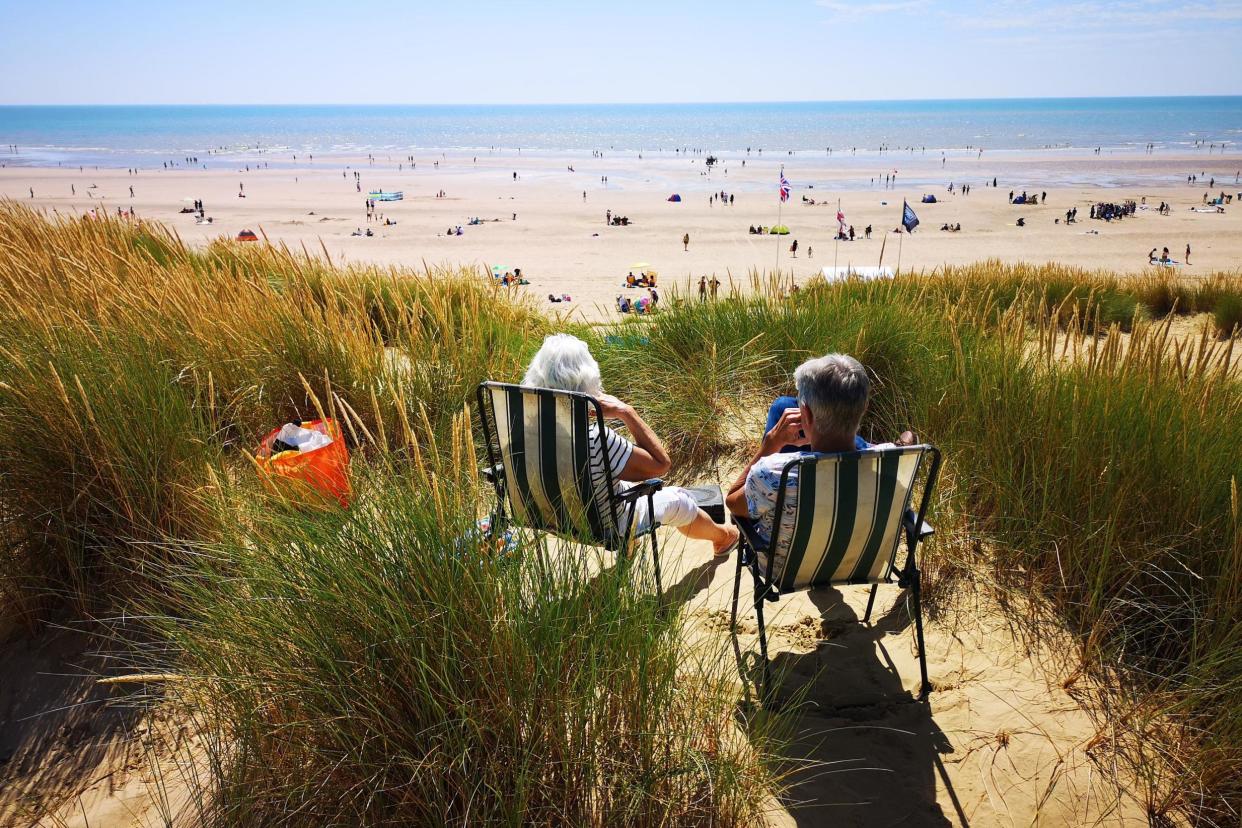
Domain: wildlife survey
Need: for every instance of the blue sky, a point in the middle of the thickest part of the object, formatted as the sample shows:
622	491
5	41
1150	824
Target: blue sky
556	51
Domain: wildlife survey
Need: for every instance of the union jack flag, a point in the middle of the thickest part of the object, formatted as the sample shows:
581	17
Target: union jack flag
784	187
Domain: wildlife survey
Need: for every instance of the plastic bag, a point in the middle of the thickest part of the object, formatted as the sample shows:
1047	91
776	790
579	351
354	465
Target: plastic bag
313	471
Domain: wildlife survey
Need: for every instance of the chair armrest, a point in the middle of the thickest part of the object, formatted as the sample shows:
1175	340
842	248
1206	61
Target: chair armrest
919	532
493	473
750	534
641	489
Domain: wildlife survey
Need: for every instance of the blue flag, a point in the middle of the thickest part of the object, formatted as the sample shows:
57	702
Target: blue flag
908	219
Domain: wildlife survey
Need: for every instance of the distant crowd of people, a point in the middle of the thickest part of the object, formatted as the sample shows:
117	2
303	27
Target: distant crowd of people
1108	212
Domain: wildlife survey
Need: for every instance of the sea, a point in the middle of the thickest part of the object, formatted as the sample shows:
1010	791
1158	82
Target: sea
145	136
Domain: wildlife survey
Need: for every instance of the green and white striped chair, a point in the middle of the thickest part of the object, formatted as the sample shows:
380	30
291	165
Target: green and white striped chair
850	512
540	459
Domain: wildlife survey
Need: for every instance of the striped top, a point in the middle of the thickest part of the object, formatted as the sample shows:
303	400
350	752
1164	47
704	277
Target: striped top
841	515
618	451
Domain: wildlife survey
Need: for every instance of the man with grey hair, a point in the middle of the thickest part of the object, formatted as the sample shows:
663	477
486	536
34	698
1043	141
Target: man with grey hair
833	392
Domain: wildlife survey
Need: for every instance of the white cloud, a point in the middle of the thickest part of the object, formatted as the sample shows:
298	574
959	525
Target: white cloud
1123	15
1053	15
840	8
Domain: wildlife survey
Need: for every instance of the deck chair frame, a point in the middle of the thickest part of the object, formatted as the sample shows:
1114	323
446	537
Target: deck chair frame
913	527
611	526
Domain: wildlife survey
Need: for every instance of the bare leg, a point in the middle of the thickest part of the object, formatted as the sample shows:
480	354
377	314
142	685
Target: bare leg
704	528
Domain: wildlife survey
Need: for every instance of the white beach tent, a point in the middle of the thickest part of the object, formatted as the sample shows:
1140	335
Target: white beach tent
840	274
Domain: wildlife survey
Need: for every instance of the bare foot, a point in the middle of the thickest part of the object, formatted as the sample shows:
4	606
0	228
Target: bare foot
726	544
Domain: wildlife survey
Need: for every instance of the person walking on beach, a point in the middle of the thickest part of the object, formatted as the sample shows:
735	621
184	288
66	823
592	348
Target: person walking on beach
702	288
608	217
685	240
131	190
793	248
1188	254
715	284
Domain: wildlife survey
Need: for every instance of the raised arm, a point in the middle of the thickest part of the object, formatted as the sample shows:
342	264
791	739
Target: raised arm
788	430
649	458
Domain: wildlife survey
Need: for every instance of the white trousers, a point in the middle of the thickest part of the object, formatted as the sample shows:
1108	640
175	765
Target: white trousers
673	507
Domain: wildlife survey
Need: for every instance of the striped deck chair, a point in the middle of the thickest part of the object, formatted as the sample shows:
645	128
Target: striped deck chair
848	514
541	456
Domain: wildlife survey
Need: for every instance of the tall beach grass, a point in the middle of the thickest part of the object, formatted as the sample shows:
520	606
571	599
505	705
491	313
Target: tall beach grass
374	666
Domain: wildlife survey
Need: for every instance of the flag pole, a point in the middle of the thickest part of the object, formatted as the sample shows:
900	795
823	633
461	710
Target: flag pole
900	239
836	242
779	203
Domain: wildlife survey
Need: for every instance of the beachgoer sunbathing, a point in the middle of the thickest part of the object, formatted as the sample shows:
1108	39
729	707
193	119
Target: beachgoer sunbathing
833	392
564	362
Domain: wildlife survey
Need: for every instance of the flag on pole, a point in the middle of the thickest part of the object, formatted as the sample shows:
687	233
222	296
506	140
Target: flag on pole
784	187
908	219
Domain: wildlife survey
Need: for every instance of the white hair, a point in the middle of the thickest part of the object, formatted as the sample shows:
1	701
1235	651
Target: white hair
836	388
564	362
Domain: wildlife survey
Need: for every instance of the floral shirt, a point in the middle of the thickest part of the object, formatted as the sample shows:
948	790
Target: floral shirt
764	481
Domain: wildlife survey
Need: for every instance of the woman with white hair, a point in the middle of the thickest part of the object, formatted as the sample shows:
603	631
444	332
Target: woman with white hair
564	362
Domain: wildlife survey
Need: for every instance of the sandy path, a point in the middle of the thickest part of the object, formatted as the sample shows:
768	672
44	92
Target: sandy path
1001	742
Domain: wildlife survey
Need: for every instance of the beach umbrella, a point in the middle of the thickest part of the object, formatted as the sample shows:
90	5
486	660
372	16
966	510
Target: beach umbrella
779	230
674	197
247	235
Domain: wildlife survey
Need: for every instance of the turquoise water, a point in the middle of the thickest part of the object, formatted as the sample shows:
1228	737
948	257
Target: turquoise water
142	135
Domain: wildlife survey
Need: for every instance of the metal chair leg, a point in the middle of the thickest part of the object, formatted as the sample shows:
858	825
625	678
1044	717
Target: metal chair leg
870	603
737	646
916	595
763	642
737	588
655	560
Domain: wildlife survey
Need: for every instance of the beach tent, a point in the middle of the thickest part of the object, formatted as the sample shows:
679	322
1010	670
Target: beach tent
247	235
929	199
674	197
867	274
779	230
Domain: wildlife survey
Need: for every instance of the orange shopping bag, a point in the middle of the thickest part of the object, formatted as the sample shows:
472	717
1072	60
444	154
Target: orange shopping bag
323	470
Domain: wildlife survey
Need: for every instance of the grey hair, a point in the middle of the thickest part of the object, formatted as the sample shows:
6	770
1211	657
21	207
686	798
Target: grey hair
836	389
564	362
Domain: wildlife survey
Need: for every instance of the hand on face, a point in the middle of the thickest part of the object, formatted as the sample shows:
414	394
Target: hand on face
787	431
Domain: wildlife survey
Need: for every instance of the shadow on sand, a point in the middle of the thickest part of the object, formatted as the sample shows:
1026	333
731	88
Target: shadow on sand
861	751
56	725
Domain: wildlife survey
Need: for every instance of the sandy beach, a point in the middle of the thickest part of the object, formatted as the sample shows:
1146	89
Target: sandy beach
549	219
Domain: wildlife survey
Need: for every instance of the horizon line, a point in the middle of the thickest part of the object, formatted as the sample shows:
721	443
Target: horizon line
645	103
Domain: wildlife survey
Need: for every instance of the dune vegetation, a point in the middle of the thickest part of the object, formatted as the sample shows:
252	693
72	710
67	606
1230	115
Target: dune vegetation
376	666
